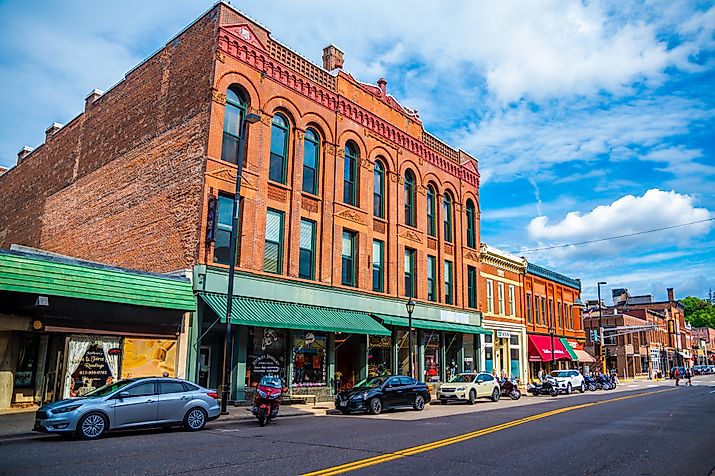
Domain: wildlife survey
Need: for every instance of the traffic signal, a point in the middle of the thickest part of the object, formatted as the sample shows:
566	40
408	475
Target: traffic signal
608	352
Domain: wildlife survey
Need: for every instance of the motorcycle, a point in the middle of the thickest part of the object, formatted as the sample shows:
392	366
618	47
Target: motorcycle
590	383
267	400
509	388
547	387
604	383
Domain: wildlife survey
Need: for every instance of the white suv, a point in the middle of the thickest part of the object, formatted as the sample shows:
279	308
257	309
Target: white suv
569	380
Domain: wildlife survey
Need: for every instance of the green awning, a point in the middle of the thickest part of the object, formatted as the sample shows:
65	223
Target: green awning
432	325
53	276
285	315
568	348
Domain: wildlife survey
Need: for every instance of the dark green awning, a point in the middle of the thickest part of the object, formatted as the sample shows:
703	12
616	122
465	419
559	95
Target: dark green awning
285	315
432	325
568	348
64	277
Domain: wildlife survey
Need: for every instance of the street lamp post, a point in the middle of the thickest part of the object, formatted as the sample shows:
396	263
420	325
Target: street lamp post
410	309
551	333
602	344
246	119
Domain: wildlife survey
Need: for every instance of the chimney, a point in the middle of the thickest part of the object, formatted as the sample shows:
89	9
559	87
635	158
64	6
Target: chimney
93	96
671	295
24	152
332	58
52	130
383	85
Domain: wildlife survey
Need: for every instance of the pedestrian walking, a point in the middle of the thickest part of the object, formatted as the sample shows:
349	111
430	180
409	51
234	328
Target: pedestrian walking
676	376
689	376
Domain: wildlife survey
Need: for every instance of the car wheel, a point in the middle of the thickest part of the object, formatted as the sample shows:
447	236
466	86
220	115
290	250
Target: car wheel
582	388
472	397
374	406
496	394
195	419
419	403
92	426
443	401
569	389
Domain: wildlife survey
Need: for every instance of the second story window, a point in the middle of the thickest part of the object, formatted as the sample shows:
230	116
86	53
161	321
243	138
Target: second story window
273	251
431	211
306	266
409	198
378	194
223	229
559	315
431	278
233	113
471	225
410	284
448	283
472	287
378	266
348	258
500	296
447	209
512	300
311	161
543	310
490	295
350	185
279	149
529	317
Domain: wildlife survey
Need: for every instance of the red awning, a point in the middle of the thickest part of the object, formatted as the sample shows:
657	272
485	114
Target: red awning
540	349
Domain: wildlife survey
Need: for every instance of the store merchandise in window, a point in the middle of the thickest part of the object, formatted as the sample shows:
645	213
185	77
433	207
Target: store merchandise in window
309	366
266	354
378	358
452	346
432	361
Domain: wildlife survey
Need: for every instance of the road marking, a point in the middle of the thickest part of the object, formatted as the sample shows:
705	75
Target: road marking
384	458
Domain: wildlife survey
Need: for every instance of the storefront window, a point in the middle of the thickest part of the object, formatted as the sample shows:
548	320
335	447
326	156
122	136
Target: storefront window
26	362
514	355
488	353
468	346
378	358
403	353
91	363
452	346
266	354
309	366
432	360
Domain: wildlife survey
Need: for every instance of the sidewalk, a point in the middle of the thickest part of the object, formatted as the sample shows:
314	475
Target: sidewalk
17	423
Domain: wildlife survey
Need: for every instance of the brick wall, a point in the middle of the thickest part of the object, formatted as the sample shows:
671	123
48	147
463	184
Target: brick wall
122	182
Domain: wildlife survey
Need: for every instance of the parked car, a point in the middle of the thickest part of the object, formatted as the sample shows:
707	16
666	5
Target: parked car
130	403
468	387
569	380
376	394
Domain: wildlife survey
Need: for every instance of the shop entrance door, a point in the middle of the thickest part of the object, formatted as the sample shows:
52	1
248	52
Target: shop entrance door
349	360
204	365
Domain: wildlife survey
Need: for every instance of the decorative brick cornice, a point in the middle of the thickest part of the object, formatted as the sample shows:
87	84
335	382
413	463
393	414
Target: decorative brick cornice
251	54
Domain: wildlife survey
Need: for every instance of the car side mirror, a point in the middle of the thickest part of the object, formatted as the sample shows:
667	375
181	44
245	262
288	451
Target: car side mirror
124	395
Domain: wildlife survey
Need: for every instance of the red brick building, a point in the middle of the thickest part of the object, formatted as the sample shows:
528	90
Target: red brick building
348	206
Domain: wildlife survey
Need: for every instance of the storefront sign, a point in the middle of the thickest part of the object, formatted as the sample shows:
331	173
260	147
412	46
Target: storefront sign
503	335
266	364
91	373
89	365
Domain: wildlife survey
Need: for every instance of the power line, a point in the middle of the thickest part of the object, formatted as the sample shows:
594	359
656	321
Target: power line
615	237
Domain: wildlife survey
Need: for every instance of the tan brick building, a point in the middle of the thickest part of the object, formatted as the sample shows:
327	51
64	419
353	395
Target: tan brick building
348	206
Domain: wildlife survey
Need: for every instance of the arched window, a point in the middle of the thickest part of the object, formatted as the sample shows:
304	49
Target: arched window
279	149
471	225
350	174
409	198
378	202
431	211
311	161
447	209
233	114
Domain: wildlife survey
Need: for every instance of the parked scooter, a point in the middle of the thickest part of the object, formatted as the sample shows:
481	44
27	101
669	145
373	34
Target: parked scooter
510	388
267	400
547	387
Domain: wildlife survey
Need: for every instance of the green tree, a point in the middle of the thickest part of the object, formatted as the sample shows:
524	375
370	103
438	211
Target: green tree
699	312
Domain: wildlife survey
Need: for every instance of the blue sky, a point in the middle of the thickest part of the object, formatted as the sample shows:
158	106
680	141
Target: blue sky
589	119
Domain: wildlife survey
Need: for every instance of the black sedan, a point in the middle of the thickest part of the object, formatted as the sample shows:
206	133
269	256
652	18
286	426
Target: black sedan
376	394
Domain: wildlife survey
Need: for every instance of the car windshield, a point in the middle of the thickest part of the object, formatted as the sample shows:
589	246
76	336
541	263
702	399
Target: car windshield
371	382
272	382
462	378
111	388
559	374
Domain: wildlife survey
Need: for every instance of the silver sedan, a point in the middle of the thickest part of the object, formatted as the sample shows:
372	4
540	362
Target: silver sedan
130	403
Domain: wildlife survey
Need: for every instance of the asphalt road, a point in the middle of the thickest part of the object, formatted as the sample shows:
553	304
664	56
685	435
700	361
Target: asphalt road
656	430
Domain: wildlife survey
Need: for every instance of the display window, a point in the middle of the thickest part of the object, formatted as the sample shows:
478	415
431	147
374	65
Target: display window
469	365
403	353
452	346
432	362
27	361
148	358
378	358
92	362
515	352
266	354
309	363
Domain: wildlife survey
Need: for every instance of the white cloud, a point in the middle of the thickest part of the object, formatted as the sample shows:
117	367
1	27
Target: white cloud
629	214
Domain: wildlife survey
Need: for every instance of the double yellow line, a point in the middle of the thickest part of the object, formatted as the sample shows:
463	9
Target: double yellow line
384	458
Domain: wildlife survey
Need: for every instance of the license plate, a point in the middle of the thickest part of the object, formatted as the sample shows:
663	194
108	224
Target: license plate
343	403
